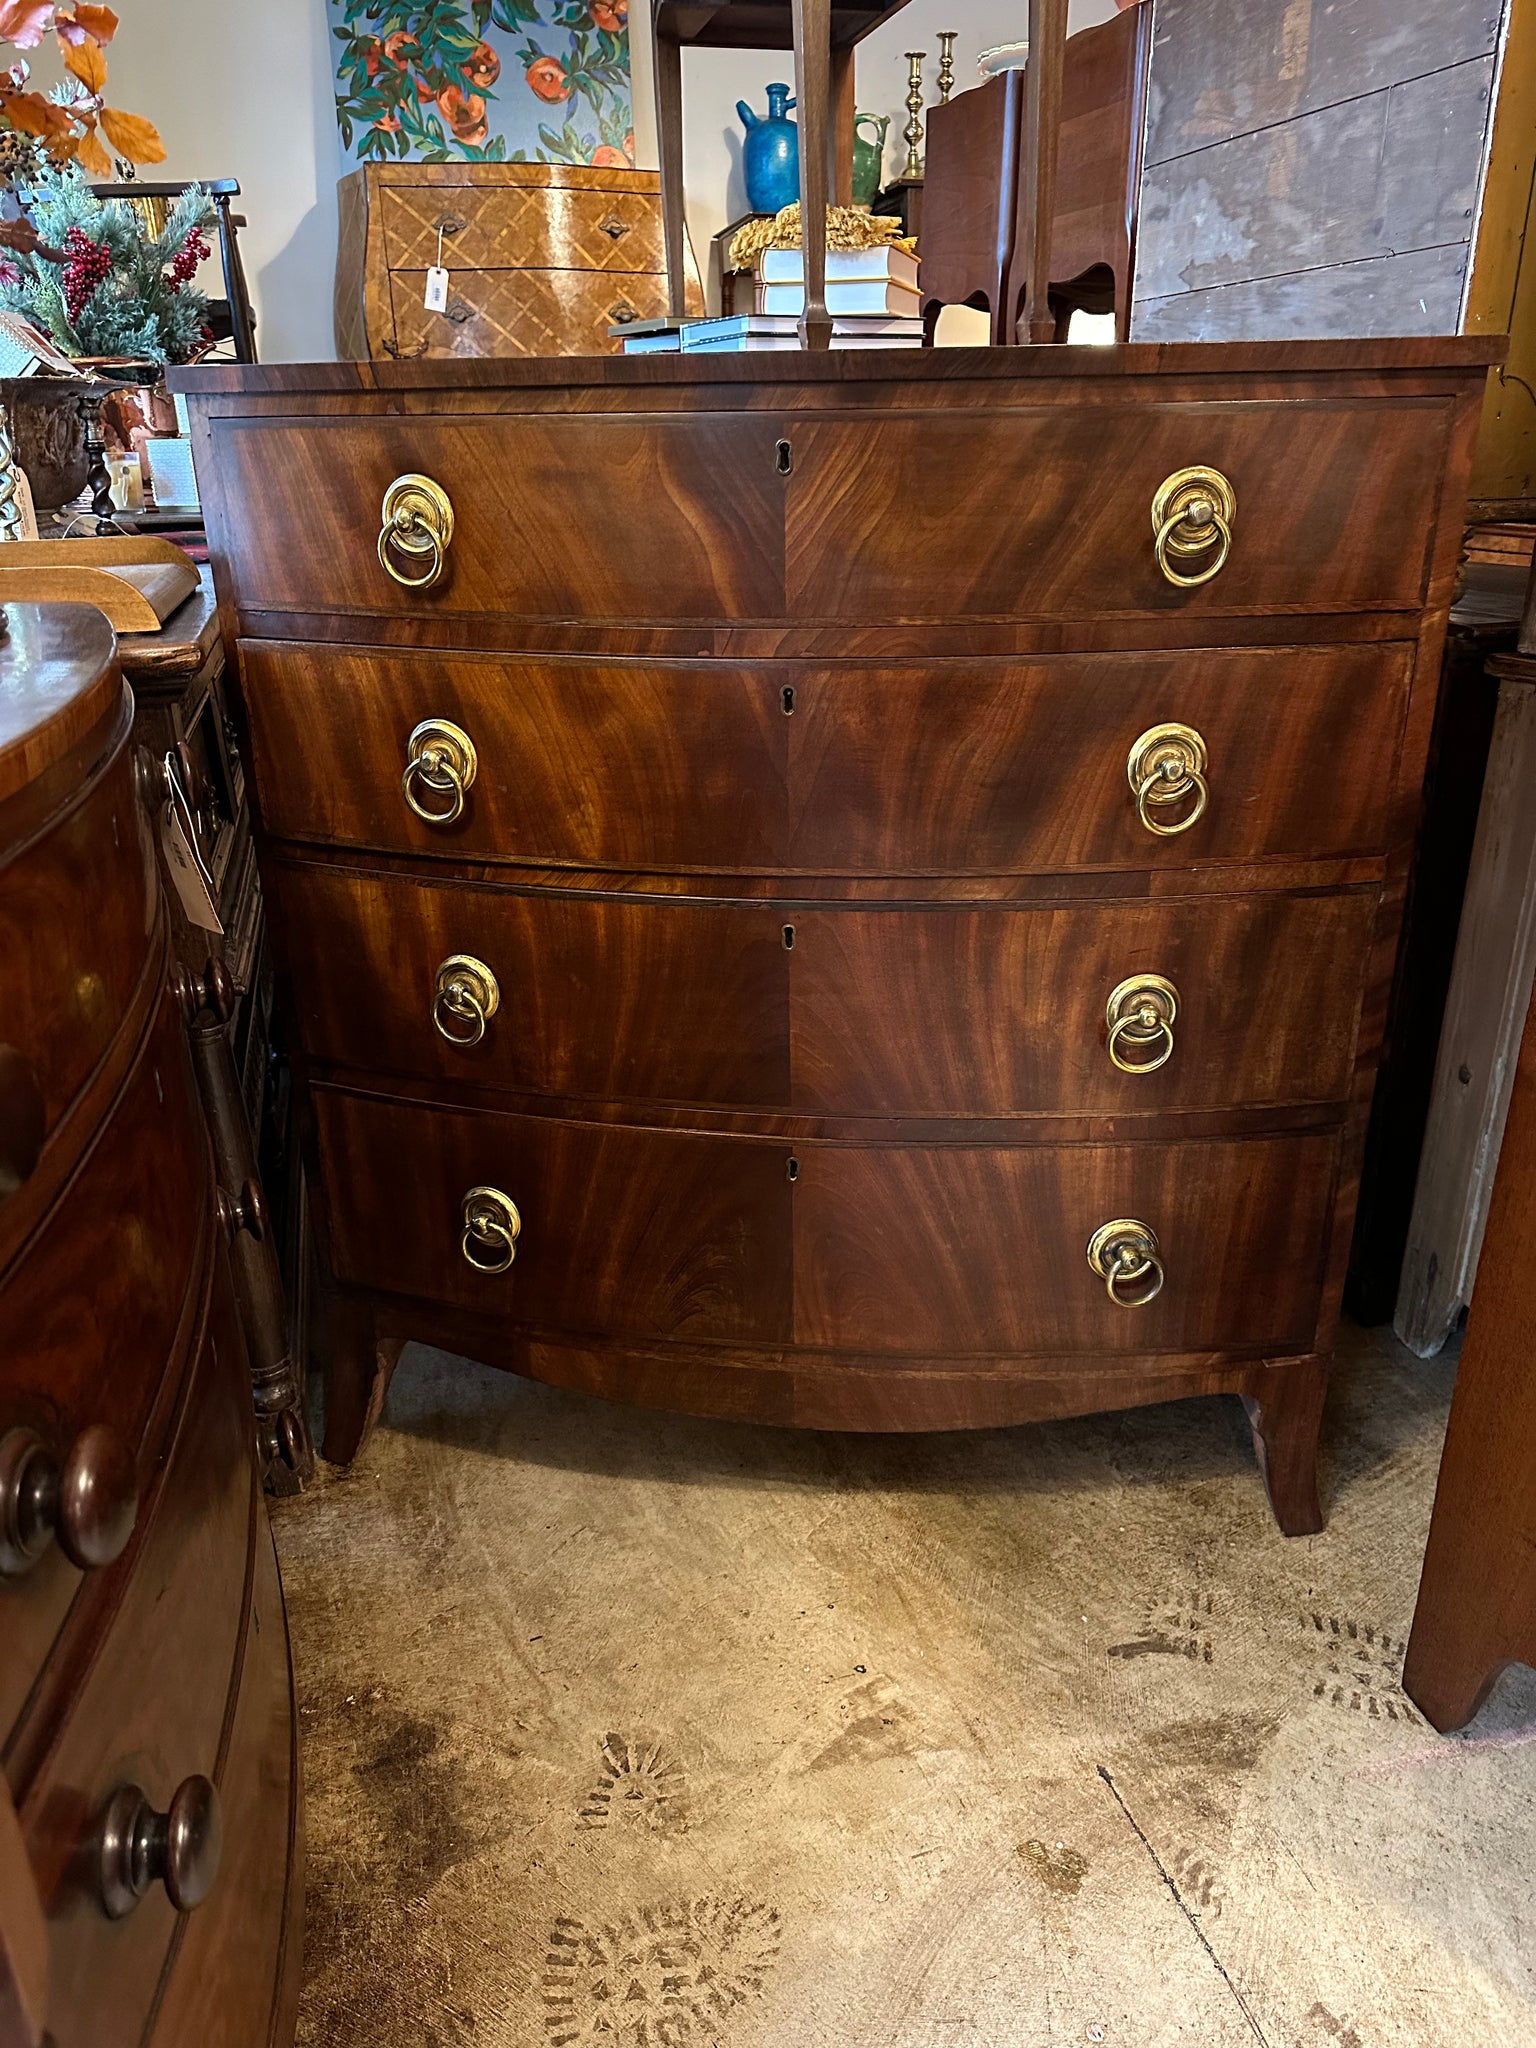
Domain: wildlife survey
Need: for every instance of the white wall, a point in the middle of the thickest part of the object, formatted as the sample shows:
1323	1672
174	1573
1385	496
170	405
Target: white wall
242	89
714	80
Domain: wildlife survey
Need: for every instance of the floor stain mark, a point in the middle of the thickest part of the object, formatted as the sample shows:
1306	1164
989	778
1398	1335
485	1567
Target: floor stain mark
1196	1880
1193	1919
641	1787
1178	1626
1060	1870
660	1977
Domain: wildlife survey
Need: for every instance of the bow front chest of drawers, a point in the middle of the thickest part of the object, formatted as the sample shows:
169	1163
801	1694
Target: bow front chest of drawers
856	891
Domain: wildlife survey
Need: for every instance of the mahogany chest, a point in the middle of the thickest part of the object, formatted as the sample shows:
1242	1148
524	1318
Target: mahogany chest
150	1886
855	891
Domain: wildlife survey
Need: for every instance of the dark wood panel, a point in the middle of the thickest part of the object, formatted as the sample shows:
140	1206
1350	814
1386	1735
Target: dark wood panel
153	1710
236	1965
981	1011
644	997
955	1249
643	1233
1001	768
88	1316
600	765
575	517
77	910
885	517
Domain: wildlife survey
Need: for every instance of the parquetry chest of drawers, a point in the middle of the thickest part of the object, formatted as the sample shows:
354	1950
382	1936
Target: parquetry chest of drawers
853	891
150	1888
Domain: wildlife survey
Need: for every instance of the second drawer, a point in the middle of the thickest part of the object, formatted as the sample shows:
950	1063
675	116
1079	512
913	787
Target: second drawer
1219	1002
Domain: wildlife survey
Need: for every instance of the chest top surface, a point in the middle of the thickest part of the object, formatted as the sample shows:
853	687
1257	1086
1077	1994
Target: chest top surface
57	680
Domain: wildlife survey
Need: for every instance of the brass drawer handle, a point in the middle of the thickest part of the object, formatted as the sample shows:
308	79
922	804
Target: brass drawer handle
440	758
1140	1014
418	524
492	1227
1164	765
181	1847
1124	1254
1192	512
86	1502
464	994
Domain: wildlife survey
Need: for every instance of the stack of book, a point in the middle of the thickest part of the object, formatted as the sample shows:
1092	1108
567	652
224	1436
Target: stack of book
871	294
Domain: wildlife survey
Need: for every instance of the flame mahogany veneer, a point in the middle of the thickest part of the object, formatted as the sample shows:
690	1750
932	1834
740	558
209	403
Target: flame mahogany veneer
802	851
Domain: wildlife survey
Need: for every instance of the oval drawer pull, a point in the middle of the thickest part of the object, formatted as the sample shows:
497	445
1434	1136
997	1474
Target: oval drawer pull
179	1848
1164	766
1140	1014
1192	512
440	759
492	1227
1124	1254
418	526
465	998
85	1502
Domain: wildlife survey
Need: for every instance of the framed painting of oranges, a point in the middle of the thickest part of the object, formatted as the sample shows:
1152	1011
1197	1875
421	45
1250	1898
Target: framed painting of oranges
484	81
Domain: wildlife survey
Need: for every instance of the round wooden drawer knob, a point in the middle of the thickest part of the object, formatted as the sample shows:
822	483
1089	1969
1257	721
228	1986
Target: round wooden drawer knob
86	1502
179	1848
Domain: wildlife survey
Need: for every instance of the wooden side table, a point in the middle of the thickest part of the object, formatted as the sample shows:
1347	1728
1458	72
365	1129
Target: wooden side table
1476	1611
183	724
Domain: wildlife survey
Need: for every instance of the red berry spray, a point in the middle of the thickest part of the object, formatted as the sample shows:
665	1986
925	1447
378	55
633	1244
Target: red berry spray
89	263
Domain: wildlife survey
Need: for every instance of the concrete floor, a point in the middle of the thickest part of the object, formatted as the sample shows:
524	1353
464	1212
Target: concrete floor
627	1731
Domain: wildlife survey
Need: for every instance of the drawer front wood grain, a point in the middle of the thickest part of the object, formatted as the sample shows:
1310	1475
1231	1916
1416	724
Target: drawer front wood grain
971	1012
540	227
991	767
636	1233
1047	511
152	1711
599	766
962	1249
523	312
632	998
556	516
1014	767
77	910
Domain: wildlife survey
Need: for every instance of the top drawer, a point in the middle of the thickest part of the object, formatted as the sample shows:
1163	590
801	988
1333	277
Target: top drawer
553	516
533	227
1041	512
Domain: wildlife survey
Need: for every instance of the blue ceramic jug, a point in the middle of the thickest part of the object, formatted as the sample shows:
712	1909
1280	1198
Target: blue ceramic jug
771	153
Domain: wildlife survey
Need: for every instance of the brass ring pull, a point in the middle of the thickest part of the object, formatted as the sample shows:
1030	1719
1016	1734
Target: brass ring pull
1166	765
1192	512
1140	1014
492	1227
464	994
1125	1256
417	522
440	758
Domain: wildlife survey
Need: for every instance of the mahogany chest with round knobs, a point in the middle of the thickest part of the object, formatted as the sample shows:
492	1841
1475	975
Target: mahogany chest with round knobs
150	1887
855	891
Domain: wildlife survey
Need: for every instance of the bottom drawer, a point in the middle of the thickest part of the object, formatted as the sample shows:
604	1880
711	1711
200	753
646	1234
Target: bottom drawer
523	312
933	1249
151	1711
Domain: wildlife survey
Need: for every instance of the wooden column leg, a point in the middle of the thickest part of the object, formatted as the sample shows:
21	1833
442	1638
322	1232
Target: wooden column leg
1285	1413
359	1364
813	63
667	68
1042	134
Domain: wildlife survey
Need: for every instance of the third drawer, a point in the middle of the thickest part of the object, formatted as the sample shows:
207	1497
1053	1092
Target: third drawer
907	1010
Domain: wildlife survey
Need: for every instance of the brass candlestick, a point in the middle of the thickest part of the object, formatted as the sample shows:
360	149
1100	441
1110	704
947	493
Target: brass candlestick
946	63
912	134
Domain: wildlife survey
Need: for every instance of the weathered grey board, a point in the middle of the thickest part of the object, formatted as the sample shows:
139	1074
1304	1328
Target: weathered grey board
1418	292
1226	67
1394	171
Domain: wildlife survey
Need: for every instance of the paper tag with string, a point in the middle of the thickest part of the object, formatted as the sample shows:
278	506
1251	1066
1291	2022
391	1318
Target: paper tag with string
183	857
436	300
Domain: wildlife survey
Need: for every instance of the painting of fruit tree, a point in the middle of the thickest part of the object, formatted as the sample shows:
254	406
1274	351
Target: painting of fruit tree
484	81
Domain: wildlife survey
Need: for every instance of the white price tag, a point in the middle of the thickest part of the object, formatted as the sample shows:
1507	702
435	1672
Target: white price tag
437	289
186	872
